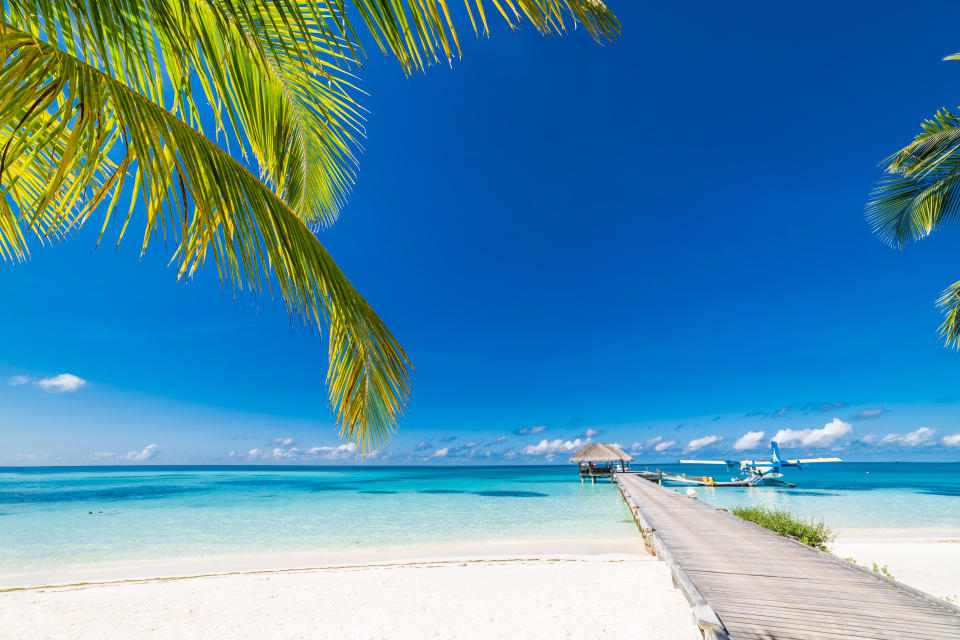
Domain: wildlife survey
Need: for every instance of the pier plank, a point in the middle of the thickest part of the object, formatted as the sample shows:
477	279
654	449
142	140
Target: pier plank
760	585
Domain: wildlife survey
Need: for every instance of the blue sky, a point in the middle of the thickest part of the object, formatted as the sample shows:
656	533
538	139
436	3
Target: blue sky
657	241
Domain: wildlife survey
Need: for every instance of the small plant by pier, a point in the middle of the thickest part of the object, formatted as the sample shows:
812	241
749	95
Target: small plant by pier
883	571
810	532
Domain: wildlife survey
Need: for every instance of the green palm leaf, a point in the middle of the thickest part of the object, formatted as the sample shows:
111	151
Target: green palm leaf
96	94
921	194
195	192
419	32
949	302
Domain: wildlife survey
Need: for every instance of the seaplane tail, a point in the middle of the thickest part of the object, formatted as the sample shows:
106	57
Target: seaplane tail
776	451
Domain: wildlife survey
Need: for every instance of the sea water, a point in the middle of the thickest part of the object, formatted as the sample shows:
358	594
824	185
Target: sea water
54	516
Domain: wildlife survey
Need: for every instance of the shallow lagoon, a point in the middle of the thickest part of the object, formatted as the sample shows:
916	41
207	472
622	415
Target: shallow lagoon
188	512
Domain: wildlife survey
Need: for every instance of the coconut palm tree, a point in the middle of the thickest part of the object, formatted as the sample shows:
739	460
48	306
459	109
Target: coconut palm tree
99	111
920	194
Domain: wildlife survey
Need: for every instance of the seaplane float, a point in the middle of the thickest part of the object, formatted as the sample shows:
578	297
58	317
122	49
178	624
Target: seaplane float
753	473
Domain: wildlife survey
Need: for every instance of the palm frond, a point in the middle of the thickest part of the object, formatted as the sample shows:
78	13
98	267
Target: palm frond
274	71
905	209
214	208
949	302
276	62
936	145
94	93
921	192
421	32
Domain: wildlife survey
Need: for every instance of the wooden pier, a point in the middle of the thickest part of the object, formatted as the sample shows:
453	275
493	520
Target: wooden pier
745	582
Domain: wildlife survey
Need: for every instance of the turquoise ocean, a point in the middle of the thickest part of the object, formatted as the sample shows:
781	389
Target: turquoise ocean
56	516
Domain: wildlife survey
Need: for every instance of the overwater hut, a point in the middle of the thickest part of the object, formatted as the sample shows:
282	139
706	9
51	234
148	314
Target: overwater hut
600	461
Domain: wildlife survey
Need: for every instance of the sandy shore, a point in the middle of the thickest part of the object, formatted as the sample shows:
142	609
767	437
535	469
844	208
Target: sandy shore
597	595
931	564
175	567
534	589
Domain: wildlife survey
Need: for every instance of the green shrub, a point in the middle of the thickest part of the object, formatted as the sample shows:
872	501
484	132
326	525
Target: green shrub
884	571
809	532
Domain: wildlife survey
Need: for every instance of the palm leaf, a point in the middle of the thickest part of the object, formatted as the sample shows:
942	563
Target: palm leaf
86	104
266	68
949	302
921	192
215	208
421	32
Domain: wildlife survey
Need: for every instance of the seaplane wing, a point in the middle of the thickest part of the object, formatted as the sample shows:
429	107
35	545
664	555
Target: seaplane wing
809	460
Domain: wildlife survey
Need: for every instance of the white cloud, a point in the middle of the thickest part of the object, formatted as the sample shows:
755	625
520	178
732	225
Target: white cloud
338	452
589	433
441	453
423	444
663	446
62	383
499	440
30	457
529	430
472	444
548	447
749	440
16	381
346	450
284	442
830	433
866	414
952	440
700	443
923	436
636	447
149	452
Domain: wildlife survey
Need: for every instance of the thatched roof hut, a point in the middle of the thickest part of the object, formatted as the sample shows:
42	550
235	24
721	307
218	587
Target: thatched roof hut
601	453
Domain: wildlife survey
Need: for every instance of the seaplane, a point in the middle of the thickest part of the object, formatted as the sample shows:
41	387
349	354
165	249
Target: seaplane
753	473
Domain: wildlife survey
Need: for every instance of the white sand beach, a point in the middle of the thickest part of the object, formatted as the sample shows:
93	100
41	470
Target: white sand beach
931	564
535	589
557	596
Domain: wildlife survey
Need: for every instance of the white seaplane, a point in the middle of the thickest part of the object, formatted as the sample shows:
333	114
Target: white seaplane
752	472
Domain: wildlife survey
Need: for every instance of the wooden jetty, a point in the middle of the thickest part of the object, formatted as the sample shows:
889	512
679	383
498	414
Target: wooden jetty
745	582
